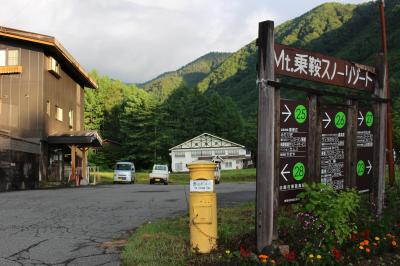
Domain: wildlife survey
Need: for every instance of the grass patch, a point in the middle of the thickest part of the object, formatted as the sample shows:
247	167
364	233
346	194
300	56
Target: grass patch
227	176
166	242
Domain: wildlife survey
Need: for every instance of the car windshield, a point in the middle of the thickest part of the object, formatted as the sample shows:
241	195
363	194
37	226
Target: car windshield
160	167
126	167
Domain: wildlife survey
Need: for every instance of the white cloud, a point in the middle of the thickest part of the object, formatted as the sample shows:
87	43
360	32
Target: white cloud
135	40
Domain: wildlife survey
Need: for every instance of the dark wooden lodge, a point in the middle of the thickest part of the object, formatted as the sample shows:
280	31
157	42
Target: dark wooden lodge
41	111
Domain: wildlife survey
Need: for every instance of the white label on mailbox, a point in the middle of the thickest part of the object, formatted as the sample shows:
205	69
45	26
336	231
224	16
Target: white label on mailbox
201	185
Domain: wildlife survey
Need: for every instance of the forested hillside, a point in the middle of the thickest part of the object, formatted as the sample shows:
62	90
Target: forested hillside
217	93
189	75
344	31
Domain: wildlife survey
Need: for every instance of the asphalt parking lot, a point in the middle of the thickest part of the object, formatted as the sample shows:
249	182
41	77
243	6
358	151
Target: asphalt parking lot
67	226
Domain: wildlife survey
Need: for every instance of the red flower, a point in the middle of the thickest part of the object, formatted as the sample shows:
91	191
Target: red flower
337	254
291	256
244	252
366	234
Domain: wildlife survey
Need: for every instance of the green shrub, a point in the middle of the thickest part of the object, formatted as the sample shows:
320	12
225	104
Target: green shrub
327	215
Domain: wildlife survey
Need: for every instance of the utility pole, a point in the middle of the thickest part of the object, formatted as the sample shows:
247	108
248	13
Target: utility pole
389	131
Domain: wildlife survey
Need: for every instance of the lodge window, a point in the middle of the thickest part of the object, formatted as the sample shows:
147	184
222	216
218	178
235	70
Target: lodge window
48	108
219	152
228	164
59	114
71	118
54	67
9	61
2	57
179	154
178	166
9	57
196	154
233	152
206	153
13	58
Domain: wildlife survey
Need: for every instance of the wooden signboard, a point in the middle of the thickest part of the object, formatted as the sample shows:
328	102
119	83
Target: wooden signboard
333	141
303	64
365	149
293	159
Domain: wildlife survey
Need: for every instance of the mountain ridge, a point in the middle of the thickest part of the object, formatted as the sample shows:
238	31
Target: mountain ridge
188	75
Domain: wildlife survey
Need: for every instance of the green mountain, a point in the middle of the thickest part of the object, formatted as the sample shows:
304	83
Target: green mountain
189	75
217	93
344	31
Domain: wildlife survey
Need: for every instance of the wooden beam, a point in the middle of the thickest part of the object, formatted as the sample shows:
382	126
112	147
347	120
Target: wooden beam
326	93
73	163
266	150
84	163
351	144
380	127
314	139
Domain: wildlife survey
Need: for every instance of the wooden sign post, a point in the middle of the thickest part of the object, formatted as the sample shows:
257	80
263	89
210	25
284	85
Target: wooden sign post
266	135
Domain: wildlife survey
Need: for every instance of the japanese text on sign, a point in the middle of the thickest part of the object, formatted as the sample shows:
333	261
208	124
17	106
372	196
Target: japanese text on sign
333	147
201	185
290	61
293	157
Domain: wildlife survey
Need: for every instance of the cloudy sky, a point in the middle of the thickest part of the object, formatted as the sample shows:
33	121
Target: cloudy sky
135	40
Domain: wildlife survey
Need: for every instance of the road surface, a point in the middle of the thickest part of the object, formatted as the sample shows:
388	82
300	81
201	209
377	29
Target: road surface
67	226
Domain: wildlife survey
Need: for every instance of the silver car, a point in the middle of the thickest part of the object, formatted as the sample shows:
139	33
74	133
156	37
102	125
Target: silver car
124	172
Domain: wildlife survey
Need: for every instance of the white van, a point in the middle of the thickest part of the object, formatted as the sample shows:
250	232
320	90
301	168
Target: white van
159	174
124	172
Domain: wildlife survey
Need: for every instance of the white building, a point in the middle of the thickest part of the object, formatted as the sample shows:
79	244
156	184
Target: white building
212	148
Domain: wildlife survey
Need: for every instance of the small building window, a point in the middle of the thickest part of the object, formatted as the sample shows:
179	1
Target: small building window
59	114
179	154
206	153
54	67
71	118
2	57
233	152
228	164
48	108
13	58
196	154
219	152
9	57
178	166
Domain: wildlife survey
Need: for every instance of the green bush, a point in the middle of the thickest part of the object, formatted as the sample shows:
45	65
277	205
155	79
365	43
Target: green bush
327	215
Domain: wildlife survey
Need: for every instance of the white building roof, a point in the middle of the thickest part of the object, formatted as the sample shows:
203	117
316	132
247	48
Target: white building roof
206	140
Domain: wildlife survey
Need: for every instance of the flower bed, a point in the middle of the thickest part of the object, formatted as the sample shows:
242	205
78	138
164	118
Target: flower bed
329	228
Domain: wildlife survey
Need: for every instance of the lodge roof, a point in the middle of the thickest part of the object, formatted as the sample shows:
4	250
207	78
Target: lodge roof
205	141
80	138
54	47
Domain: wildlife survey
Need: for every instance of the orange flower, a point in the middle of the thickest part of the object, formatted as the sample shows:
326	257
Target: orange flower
367	250
366	242
394	243
263	258
362	243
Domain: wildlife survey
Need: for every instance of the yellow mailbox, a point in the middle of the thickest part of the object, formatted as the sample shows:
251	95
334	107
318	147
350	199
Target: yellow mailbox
202	207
